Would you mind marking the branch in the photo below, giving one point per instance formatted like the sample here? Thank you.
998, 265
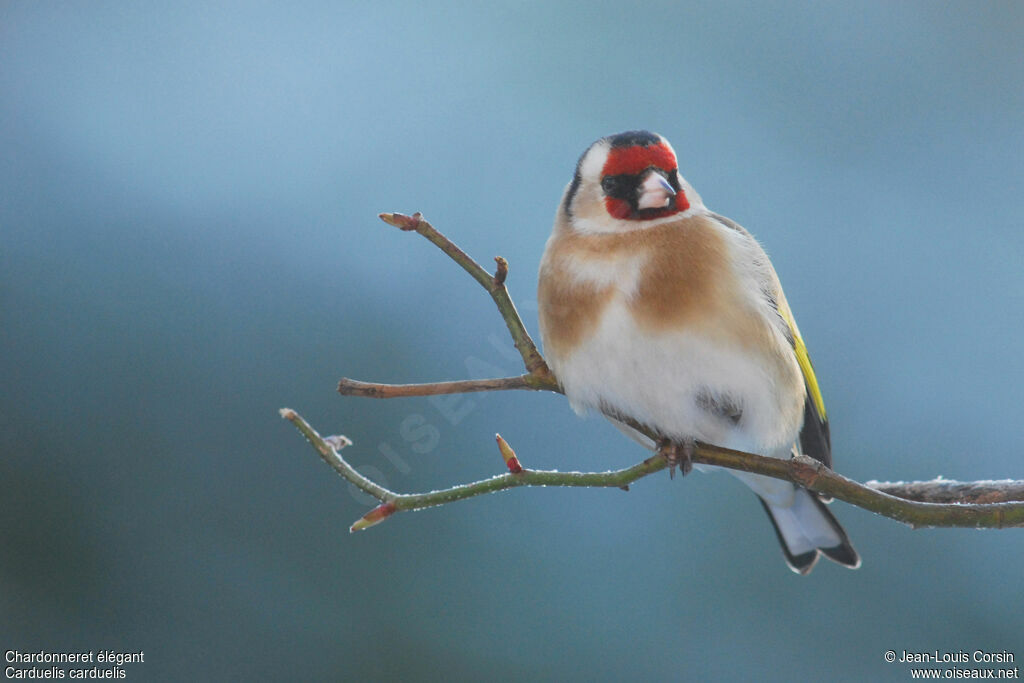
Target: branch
801, 470
351, 387
494, 284
938, 503
951, 491
417, 501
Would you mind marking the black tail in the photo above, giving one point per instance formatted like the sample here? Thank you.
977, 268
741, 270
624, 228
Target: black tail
808, 529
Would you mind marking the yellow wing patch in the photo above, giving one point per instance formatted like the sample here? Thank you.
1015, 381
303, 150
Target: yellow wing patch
805, 363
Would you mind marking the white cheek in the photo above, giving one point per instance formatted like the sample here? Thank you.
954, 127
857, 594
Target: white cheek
593, 163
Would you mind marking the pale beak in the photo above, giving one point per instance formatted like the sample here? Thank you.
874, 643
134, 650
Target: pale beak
655, 192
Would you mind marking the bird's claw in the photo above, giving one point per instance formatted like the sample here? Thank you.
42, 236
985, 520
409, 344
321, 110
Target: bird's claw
677, 454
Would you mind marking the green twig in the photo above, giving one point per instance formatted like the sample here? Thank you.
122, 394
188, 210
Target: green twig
801, 470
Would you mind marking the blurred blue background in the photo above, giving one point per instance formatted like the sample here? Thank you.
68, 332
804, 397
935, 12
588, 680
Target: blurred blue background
189, 241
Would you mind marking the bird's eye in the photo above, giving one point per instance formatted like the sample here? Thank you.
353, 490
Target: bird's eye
615, 185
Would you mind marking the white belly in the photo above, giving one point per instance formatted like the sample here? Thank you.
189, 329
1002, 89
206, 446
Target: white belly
663, 380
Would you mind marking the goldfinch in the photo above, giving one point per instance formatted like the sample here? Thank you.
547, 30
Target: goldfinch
656, 309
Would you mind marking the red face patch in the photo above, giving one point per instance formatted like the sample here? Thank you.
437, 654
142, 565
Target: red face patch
631, 160
618, 208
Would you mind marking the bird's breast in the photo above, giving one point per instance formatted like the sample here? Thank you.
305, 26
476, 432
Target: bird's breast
672, 277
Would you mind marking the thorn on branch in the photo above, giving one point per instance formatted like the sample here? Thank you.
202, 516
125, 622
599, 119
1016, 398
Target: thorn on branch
511, 461
502, 272
373, 517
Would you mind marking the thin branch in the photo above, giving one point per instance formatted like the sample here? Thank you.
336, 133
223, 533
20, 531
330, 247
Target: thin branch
951, 491
938, 503
494, 284
329, 452
801, 470
351, 387
417, 501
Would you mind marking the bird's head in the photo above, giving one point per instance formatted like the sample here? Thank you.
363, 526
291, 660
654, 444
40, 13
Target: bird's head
627, 181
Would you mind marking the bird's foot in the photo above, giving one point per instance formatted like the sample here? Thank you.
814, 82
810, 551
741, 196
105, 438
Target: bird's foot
677, 454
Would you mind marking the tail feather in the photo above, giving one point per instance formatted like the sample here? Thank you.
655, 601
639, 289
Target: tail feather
806, 530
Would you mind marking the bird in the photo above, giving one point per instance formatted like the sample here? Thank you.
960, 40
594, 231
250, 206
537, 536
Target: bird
656, 311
